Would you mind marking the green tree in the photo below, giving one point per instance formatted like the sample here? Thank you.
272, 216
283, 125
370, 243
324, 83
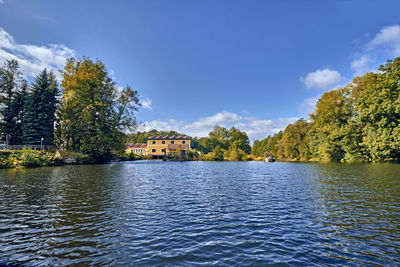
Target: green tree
293, 143
331, 119
241, 139
40, 110
18, 110
377, 102
10, 89
93, 114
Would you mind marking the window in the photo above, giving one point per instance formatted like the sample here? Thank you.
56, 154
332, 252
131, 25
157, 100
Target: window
153, 150
153, 142
163, 150
163, 142
172, 142
183, 142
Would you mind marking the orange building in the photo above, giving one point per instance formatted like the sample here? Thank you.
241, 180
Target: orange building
158, 146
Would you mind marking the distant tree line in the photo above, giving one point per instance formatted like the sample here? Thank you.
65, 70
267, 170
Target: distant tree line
224, 144
360, 122
87, 114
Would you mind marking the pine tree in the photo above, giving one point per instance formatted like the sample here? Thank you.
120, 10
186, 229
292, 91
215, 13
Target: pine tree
40, 110
10, 86
18, 112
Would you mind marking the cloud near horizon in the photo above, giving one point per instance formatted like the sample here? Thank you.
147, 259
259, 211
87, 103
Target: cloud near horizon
33, 59
254, 127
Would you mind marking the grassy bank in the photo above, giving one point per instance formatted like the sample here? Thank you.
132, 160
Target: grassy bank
28, 158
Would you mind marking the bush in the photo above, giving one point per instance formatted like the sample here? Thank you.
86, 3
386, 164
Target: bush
31, 158
7, 159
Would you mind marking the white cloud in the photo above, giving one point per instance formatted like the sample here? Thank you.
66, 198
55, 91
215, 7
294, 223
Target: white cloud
388, 37
255, 128
322, 79
361, 64
33, 58
146, 103
384, 45
1, 1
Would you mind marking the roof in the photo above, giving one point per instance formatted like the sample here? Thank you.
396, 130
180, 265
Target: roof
176, 146
174, 137
136, 145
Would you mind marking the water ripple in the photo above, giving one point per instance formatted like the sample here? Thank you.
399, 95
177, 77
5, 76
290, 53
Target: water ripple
201, 214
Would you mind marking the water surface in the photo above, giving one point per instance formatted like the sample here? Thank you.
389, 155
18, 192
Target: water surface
201, 213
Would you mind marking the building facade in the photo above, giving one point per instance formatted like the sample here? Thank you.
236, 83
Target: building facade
139, 149
160, 146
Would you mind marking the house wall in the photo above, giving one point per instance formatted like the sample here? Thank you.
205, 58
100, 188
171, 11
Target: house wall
139, 151
158, 146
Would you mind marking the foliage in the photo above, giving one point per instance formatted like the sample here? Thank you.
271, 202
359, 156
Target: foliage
293, 142
27, 158
93, 114
360, 122
224, 144
40, 110
30, 158
267, 145
12, 96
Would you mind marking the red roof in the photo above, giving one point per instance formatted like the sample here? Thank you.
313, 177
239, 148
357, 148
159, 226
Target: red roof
160, 137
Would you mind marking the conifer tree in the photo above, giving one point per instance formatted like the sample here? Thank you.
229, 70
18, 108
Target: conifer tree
10, 85
40, 110
18, 112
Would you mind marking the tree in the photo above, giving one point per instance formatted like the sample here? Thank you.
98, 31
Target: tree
377, 102
241, 139
93, 114
40, 110
293, 144
18, 105
332, 117
10, 85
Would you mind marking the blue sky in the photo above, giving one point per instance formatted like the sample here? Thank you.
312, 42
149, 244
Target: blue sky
256, 65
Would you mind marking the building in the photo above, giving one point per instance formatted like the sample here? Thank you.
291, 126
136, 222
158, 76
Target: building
158, 146
139, 149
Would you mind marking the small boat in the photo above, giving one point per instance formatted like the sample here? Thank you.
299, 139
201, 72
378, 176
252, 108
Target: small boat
270, 158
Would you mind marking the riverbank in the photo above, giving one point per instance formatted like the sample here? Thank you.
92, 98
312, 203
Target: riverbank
28, 158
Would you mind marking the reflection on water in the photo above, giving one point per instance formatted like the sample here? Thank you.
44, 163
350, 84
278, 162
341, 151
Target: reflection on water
193, 213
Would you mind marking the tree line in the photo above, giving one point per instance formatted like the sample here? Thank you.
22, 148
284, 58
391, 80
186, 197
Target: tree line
27, 111
86, 113
359, 122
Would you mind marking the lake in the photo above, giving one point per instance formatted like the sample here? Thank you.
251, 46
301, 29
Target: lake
153, 213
